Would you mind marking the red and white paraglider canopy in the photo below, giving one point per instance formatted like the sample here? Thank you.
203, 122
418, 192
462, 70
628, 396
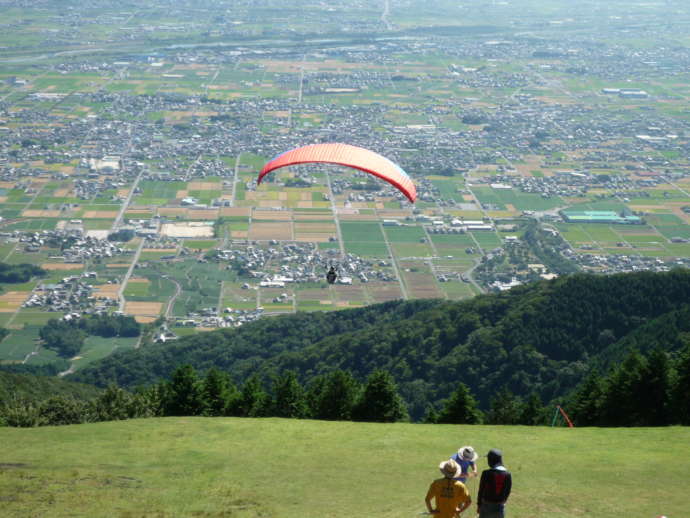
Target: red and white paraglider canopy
347, 155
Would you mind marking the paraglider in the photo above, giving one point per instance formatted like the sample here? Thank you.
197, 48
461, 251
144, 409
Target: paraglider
347, 155
331, 276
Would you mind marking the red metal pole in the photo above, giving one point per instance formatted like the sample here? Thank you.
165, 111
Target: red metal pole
565, 416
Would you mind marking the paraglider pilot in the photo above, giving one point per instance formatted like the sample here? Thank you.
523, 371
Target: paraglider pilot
331, 276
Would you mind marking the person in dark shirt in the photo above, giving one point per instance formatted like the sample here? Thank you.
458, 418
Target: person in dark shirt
494, 487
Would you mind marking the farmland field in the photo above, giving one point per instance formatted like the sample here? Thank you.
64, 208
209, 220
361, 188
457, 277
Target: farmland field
157, 120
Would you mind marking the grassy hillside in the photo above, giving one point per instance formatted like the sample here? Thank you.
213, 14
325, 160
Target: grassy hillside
309, 469
28, 386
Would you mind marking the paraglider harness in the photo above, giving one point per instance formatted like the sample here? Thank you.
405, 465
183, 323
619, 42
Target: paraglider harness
331, 276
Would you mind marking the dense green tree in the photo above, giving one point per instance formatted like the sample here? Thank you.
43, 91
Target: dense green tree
62, 337
253, 400
506, 408
109, 326
184, 395
532, 411
431, 416
114, 404
22, 413
338, 397
218, 392
290, 399
681, 389
460, 408
314, 392
586, 402
153, 399
380, 400
653, 400
624, 387
122, 235
61, 410
17, 273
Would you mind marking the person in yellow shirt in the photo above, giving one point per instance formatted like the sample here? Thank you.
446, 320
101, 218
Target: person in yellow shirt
451, 496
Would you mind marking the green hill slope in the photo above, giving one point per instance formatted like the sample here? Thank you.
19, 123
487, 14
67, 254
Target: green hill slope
30, 387
307, 469
540, 338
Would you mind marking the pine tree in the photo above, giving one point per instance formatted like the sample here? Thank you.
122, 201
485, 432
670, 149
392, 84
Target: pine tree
431, 416
338, 397
252, 401
314, 394
532, 411
380, 401
217, 389
654, 400
460, 408
506, 408
681, 389
290, 398
586, 405
183, 393
623, 387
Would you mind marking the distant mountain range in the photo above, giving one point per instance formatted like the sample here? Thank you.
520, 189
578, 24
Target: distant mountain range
543, 337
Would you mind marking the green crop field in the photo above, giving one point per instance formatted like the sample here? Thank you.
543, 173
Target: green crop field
487, 239
452, 241
309, 469
519, 200
364, 239
18, 344
96, 348
404, 234
136, 289
449, 188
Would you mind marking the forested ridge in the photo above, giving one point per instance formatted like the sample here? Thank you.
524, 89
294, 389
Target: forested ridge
542, 338
28, 387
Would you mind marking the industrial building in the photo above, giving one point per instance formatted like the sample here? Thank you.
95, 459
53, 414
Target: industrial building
601, 216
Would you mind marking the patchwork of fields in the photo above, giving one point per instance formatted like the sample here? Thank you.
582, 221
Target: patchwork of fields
158, 120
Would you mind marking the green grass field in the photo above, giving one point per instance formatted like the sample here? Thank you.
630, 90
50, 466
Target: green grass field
307, 469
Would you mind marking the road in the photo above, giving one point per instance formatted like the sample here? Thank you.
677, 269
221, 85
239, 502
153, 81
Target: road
123, 284
171, 302
215, 76
393, 263
301, 83
469, 274
686, 193
188, 174
236, 179
386, 12
339, 234
130, 194
125, 204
